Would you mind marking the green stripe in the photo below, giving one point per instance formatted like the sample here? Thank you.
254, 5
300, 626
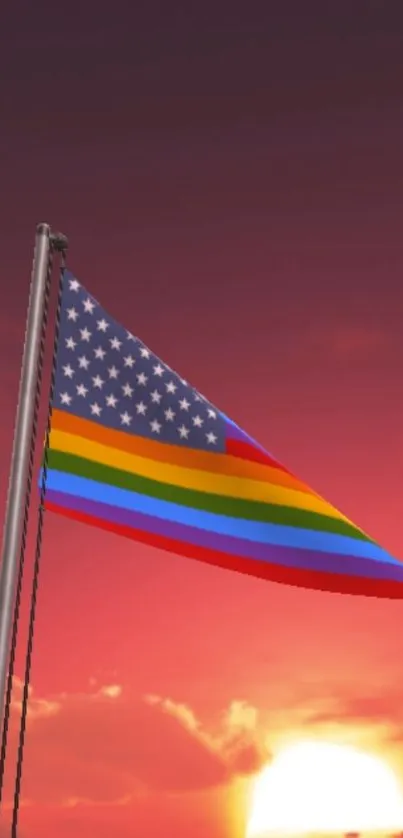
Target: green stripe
233, 507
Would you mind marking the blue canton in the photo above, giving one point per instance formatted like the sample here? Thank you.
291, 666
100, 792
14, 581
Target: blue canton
107, 375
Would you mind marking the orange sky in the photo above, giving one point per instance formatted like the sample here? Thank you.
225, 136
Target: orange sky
161, 685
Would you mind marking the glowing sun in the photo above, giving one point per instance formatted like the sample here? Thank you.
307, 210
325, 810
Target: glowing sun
317, 787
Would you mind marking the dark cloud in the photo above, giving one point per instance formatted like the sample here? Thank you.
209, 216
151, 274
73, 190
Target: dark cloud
102, 748
246, 757
107, 746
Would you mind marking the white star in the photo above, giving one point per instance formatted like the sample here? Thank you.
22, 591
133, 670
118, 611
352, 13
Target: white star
83, 362
115, 343
211, 438
197, 421
155, 426
183, 432
74, 285
184, 382
125, 418
142, 378
171, 387
184, 404
130, 336
98, 382
156, 397
99, 353
88, 306
158, 370
129, 361
81, 390
72, 314
68, 371
197, 397
141, 408
85, 334
127, 390
70, 343
113, 372
102, 325
144, 352
65, 398
111, 400
96, 409
212, 414
169, 414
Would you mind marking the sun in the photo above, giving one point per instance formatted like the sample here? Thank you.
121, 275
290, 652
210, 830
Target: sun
313, 787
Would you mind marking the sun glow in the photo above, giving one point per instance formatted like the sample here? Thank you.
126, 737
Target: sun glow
314, 787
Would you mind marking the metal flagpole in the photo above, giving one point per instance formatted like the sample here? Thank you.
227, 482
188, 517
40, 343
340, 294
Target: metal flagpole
21, 448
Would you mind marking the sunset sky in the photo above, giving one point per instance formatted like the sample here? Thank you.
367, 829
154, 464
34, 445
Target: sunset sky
230, 179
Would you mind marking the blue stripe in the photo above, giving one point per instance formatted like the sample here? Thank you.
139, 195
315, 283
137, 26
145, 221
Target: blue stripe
236, 527
307, 560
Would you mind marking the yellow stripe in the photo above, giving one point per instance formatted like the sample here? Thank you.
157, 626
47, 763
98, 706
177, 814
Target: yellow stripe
202, 481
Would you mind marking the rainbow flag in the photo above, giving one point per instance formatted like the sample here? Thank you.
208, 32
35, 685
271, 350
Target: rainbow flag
136, 450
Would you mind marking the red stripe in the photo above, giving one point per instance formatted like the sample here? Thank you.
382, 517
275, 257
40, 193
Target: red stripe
335, 583
246, 451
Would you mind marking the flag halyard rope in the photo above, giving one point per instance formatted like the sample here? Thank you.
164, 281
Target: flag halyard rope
58, 243
24, 534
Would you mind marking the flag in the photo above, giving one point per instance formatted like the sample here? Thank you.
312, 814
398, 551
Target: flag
134, 449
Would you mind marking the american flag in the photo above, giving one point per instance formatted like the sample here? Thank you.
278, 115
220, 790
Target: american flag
106, 374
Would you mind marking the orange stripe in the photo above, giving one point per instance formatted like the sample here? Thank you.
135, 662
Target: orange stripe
174, 454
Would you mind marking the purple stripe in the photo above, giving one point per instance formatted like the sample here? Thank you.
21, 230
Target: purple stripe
233, 432
286, 556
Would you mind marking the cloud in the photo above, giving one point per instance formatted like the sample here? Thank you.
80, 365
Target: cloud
362, 716
37, 707
246, 758
237, 743
241, 716
116, 745
179, 711
240, 743
109, 746
365, 709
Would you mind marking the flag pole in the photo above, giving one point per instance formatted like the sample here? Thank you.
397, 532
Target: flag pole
17, 488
